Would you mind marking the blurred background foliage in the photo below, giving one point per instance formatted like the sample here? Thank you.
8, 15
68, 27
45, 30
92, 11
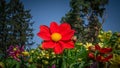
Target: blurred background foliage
15, 25
85, 16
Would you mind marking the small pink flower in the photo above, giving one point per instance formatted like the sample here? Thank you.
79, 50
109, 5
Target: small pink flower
53, 66
15, 51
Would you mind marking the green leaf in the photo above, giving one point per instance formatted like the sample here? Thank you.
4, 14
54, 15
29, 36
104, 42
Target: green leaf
18, 65
82, 64
64, 64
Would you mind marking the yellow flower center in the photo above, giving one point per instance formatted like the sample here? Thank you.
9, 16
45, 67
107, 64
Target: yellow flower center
56, 37
14, 49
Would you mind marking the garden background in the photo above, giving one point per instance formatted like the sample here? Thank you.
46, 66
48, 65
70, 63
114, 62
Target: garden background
59, 34
44, 11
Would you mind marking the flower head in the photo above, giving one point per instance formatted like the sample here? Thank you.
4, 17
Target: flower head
57, 37
101, 58
103, 50
88, 45
15, 52
102, 54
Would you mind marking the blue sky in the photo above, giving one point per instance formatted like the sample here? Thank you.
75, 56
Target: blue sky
46, 11
113, 16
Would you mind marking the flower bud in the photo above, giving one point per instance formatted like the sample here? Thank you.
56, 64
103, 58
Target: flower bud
118, 46
53, 53
92, 48
100, 36
74, 38
25, 53
79, 59
40, 47
32, 51
91, 55
30, 60
118, 34
47, 56
45, 62
38, 57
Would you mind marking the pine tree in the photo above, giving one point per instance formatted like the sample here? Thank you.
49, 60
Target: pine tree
2, 24
84, 16
16, 25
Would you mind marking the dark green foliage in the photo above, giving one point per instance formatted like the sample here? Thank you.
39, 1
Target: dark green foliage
84, 16
15, 25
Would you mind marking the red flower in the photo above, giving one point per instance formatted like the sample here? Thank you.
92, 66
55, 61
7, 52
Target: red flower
104, 59
104, 54
103, 50
56, 37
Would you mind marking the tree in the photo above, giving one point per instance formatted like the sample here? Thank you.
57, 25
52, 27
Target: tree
16, 25
84, 16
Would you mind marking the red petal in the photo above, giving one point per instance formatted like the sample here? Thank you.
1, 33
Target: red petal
97, 47
54, 27
48, 44
67, 44
16, 58
67, 35
99, 58
65, 30
44, 32
105, 50
58, 49
64, 27
106, 59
